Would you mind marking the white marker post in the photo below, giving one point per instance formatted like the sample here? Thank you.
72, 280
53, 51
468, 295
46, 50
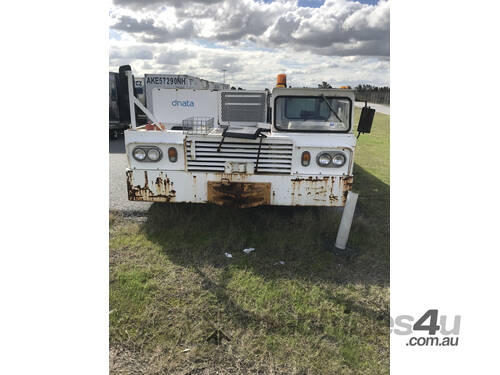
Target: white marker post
346, 222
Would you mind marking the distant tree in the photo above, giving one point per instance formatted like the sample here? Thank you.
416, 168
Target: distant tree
324, 85
366, 87
233, 88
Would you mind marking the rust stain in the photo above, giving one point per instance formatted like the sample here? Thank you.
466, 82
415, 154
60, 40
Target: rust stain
314, 188
345, 185
163, 186
330, 190
239, 194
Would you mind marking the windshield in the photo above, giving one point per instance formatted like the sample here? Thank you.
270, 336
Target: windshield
312, 113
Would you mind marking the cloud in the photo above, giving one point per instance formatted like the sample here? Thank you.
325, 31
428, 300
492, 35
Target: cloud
174, 57
151, 32
132, 52
341, 41
231, 64
152, 4
337, 28
236, 18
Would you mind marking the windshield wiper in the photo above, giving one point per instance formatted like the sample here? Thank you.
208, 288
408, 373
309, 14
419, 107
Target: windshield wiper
331, 108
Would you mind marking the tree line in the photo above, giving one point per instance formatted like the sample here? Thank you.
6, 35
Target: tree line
360, 88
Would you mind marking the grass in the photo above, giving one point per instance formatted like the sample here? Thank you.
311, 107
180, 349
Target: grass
171, 287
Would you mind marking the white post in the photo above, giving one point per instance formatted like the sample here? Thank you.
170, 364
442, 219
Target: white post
131, 98
346, 221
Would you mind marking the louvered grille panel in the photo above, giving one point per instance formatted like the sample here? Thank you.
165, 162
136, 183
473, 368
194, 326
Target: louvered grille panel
275, 156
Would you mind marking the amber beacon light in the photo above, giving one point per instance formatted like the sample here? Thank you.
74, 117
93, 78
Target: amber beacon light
281, 81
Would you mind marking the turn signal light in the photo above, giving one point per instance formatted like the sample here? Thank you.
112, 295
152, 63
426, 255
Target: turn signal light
172, 154
306, 158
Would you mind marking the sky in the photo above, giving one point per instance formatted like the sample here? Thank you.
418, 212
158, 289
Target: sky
342, 42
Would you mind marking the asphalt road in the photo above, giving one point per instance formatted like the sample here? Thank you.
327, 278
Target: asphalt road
385, 109
118, 200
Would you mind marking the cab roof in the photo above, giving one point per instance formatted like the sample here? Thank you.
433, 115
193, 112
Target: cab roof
308, 91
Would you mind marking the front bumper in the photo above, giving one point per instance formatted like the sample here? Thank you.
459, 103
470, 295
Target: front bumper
237, 190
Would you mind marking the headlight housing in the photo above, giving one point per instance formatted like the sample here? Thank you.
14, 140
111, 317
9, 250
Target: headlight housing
332, 159
147, 153
139, 154
154, 154
338, 160
324, 159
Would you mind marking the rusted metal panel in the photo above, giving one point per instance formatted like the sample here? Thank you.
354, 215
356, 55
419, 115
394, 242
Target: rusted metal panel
237, 189
161, 191
317, 189
320, 190
239, 194
345, 186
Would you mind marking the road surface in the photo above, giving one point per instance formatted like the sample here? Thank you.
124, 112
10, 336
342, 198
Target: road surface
385, 109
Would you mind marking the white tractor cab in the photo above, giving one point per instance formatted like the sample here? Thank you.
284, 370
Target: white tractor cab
228, 148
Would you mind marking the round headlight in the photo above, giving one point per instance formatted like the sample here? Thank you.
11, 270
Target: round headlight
338, 160
139, 154
154, 154
324, 160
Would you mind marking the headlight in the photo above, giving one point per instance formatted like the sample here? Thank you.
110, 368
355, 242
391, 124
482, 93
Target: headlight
324, 159
154, 154
147, 153
139, 154
331, 159
338, 160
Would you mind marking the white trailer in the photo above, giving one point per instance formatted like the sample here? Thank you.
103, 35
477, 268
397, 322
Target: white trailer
303, 156
172, 106
139, 89
154, 82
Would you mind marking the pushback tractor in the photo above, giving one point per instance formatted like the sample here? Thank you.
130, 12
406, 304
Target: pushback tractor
246, 148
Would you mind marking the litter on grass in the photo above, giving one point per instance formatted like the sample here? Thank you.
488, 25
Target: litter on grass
249, 250
280, 262
228, 255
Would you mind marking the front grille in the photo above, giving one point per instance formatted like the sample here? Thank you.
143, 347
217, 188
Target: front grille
275, 156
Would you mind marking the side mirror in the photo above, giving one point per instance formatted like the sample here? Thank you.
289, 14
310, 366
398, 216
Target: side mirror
366, 120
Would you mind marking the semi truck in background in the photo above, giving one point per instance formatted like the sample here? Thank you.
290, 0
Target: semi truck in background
229, 148
119, 108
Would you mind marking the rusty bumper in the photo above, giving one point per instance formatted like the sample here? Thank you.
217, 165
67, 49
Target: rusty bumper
163, 186
237, 190
239, 194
